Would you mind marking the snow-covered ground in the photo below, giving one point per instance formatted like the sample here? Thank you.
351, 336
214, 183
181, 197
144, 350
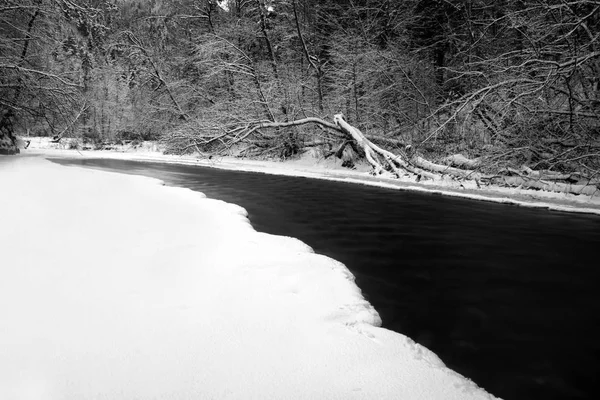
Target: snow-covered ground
312, 167
116, 287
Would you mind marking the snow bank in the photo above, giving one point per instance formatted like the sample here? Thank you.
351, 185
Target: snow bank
74, 145
330, 169
115, 287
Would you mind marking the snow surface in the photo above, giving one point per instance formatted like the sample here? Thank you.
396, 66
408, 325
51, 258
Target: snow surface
116, 287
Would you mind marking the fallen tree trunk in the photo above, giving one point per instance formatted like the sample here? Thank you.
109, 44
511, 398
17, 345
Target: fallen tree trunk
460, 161
444, 169
372, 153
517, 181
404, 162
425, 167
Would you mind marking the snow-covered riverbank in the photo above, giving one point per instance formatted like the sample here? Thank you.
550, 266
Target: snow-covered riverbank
116, 287
331, 169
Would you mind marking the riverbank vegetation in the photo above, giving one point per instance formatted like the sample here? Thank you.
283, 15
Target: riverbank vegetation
499, 92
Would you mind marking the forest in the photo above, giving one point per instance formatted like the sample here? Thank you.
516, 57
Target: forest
497, 92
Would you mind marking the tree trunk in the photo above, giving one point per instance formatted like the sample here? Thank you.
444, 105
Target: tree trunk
8, 142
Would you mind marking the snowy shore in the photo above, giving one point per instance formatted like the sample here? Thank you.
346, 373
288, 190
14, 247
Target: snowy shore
117, 287
331, 169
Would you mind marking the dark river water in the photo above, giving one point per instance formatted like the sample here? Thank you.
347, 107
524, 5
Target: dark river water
505, 295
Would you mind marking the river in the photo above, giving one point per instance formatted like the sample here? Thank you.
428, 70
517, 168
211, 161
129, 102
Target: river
505, 295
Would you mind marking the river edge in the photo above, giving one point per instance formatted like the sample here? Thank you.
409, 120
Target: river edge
69, 193
331, 169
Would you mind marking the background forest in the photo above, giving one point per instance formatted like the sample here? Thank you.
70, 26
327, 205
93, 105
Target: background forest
510, 85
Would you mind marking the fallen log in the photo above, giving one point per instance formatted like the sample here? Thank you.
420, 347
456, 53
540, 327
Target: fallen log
444, 169
372, 152
518, 181
460, 161
405, 161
